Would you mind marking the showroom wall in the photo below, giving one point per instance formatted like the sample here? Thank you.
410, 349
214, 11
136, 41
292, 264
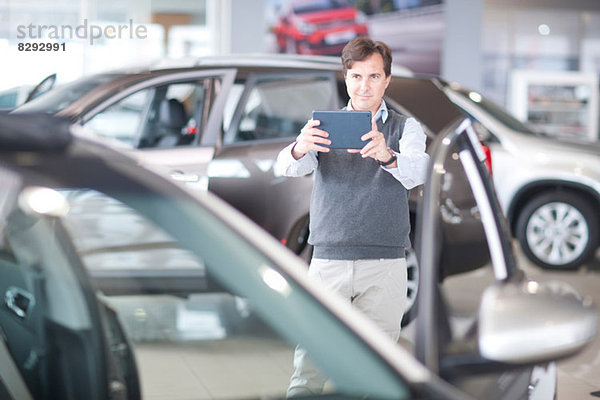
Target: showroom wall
541, 60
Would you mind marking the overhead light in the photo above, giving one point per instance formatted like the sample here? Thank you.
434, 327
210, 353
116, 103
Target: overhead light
544, 29
476, 97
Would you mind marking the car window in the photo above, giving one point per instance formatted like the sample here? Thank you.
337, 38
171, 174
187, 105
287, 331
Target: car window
159, 117
459, 213
232, 100
495, 111
122, 120
318, 5
45, 311
226, 322
8, 100
275, 107
65, 95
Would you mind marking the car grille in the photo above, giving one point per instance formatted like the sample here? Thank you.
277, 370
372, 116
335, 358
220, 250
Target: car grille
334, 24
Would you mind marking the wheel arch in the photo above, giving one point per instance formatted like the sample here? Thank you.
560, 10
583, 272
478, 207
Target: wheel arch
531, 190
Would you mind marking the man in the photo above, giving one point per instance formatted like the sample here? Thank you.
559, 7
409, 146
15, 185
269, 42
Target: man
359, 217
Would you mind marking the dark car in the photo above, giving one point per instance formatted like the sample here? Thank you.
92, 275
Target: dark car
63, 338
220, 124
318, 26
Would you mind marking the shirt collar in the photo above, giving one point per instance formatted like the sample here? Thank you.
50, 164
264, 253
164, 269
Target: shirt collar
381, 112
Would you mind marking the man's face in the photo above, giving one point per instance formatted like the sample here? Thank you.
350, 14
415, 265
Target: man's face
366, 83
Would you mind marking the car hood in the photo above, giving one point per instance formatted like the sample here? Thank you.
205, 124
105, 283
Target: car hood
556, 145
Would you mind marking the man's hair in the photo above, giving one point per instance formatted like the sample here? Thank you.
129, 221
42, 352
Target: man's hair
361, 48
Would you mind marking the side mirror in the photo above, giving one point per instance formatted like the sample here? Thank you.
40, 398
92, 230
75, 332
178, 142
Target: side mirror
531, 322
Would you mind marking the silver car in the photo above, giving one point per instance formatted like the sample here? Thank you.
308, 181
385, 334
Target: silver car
549, 188
64, 338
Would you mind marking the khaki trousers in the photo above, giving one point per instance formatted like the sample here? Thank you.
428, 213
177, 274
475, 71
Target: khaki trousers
375, 287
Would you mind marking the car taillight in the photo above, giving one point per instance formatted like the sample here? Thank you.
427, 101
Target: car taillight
488, 157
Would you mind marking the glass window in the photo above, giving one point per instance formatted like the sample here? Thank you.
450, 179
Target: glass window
225, 322
318, 5
279, 107
460, 218
63, 96
164, 116
8, 100
123, 120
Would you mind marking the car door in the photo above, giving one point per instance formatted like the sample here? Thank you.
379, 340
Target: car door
448, 310
491, 332
263, 115
171, 121
57, 340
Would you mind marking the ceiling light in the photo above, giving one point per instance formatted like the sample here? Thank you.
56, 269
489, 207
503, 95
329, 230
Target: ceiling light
544, 29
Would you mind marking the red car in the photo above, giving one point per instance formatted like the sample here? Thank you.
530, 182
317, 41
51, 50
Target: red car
318, 26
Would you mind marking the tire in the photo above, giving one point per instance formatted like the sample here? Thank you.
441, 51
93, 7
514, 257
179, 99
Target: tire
412, 287
558, 230
298, 240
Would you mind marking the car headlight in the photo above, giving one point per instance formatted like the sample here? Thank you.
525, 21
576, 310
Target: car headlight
361, 18
305, 28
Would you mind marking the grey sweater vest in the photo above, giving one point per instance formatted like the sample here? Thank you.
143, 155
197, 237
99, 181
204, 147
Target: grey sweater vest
358, 211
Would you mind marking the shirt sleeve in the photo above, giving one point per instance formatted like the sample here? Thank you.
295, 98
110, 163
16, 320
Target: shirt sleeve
287, 165
412, 159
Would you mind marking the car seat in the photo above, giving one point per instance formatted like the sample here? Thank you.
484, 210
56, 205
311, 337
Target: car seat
171, 120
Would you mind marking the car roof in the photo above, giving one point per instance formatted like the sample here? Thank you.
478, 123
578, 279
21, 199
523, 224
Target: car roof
265, 60
244, 63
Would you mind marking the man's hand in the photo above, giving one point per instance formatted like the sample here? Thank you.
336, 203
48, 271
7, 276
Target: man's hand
376, 148
310, 139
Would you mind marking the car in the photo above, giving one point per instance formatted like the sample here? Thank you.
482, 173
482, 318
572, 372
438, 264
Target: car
65, 337
320, 27
549, 187
16, 96
219, 123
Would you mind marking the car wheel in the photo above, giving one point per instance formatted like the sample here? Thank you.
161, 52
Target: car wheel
412, 287
298, 240
558, 230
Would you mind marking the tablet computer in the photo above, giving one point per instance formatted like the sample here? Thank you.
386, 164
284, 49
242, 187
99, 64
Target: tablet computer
345, 128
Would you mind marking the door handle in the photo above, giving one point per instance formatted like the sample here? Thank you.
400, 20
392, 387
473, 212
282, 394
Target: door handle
183, 177
18, 301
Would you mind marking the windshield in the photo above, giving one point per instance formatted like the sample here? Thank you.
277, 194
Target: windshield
318, 5
57, 99
189, 291
496, 111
